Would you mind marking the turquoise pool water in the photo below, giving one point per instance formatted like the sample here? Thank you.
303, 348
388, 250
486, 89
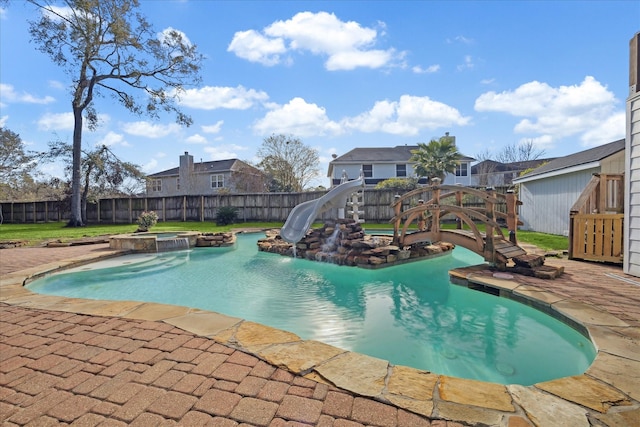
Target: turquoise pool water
409, 314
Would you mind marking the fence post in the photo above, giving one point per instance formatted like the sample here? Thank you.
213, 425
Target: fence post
512, 217
489, 254
459, 204
435, 224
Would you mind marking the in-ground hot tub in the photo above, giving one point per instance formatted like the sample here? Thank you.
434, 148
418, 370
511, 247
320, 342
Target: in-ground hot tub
154, 242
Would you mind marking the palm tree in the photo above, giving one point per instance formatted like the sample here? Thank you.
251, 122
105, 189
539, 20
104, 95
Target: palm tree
436, 159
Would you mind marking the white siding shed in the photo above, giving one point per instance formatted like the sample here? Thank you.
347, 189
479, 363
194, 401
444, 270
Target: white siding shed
549, 192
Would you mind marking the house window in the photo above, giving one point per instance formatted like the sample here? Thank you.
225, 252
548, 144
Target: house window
367, 170
217, 181
177, 183
462, 169
401, 170
156, 185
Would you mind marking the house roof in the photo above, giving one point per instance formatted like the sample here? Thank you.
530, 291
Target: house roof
582, 159
399, 153
215, 166
381, 154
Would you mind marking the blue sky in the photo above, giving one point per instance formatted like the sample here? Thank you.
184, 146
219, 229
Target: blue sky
346, 74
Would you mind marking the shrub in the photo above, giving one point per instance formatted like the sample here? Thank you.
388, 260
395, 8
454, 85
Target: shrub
399, 184
226, 215
146, 220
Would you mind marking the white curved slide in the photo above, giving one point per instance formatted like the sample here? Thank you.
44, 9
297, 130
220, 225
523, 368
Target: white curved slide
302, 216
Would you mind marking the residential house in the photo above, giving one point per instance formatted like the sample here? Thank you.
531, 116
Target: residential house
381, 163
631, 257
549, 192
496, 174
203, 178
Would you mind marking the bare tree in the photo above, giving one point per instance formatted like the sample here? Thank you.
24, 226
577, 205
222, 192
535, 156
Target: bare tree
521, 152
107, 46
247, 179
288, 163
485, 168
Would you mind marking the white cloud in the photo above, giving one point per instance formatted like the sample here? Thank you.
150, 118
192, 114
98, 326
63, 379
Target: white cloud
559, 112
55, 84
212, 128
255, 47
347, 45
349, 60
460, 39
56, 12
3, 121
542, 142
610, 129
297, 118
196, 139
112, 138
60, 121
8, 94
150, 130
430, 69
408, 116
223, 152
3, 13
212, 97
150, 166
167, 37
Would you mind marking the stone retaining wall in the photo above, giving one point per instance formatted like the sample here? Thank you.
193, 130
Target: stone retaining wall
344, 242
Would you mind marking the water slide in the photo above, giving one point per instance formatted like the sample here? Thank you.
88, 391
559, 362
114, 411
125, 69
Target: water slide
302, 216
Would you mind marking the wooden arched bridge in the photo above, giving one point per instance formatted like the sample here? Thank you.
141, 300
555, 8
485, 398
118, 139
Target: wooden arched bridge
492, 244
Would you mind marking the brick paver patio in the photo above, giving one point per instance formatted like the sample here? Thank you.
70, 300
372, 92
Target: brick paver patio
60, 368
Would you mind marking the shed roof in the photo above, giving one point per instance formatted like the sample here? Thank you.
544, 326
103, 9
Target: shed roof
585, 158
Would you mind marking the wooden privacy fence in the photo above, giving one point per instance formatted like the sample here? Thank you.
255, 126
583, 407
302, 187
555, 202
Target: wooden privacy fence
596, 220
251, 207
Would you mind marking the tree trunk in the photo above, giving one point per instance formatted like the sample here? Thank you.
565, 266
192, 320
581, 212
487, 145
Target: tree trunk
76, 202
85, 193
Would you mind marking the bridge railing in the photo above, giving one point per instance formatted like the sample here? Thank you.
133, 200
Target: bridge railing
448, 200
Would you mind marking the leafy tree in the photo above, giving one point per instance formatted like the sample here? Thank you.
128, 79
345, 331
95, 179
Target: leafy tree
103, 173
107, 46
288, 163
15, 163
436, 159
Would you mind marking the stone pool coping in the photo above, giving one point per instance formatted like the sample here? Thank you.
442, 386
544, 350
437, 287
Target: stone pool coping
607, 391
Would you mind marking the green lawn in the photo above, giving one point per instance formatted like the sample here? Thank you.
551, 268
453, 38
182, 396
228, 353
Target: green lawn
36, 234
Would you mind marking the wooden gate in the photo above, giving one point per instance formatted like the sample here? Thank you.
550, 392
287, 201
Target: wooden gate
597, 237
596, 221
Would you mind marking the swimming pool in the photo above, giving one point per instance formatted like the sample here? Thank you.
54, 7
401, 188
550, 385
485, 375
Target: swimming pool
409, 314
